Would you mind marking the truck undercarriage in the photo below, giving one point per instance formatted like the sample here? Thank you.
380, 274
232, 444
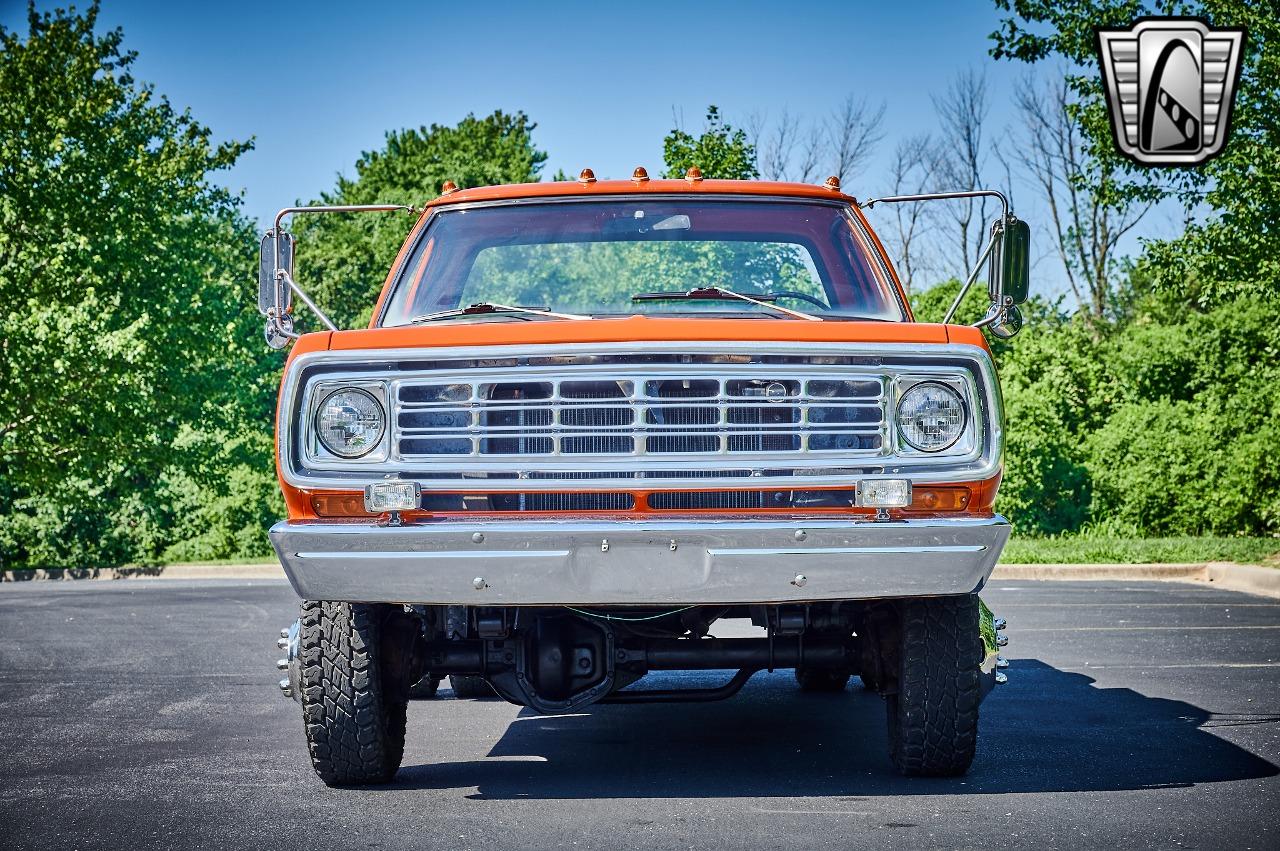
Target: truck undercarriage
564, 659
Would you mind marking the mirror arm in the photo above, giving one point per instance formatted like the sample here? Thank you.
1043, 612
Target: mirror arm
347, 208
973, 276
993, 313
306, 299
942, 196
279, 324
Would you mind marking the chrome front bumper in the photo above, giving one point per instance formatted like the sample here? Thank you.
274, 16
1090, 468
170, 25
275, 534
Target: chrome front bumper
536, 563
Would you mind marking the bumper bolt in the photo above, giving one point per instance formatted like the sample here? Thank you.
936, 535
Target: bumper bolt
800, 535
800, 581
479, 584
477, 538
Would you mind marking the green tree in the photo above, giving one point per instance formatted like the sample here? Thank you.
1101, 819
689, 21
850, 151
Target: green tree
722, 151
343, 260
1236, 248
128, 356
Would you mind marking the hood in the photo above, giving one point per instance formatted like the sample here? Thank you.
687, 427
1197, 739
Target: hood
643, 329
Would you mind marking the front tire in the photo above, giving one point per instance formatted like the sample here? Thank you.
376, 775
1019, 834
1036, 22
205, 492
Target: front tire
354, 690
933, 716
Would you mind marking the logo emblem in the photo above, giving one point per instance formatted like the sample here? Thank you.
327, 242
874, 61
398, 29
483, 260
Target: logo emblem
1169, 85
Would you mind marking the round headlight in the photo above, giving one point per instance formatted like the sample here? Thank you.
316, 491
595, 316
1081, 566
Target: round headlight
931, 416
349, 422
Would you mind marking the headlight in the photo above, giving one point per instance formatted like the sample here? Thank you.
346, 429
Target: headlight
350, 422
931, 416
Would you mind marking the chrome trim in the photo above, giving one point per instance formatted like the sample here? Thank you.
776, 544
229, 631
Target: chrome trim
537, 562
895, 362
940, 196
276, 316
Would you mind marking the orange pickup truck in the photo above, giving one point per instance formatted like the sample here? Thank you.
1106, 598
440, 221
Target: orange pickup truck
591, 418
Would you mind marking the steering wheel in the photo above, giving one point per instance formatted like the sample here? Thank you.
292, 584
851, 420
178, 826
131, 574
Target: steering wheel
801, 296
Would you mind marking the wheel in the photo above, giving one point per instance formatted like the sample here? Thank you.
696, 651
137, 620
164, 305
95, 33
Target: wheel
820, 680
355, 689
425, 688
933, 717
469, 685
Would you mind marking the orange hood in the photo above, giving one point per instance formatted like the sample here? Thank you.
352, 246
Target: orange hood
640, 329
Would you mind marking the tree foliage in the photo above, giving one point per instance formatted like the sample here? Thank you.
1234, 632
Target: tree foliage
128, 362
722, 151
343, 259
1236, 249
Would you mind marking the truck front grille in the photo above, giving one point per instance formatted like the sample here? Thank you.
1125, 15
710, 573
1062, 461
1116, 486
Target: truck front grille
656, 416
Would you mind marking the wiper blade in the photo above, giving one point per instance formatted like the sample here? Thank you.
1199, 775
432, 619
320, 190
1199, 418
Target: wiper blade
721, 294
483, 307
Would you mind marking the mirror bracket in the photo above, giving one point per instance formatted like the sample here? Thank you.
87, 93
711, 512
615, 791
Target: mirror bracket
276, 286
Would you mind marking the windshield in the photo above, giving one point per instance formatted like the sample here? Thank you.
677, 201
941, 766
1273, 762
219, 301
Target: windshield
630, 256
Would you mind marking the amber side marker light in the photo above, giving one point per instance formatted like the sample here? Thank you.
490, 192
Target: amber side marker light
338, 505
940, 499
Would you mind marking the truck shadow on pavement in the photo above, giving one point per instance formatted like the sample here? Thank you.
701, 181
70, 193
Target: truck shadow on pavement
1048, 730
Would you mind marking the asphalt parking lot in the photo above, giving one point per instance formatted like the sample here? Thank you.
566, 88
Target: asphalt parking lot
145, 714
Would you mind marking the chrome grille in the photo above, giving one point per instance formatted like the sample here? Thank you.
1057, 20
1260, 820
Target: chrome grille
774, 414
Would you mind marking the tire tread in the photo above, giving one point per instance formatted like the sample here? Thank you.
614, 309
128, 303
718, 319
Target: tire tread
933, 718
355, 725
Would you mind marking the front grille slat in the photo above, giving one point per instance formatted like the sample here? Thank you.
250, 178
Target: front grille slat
742, 416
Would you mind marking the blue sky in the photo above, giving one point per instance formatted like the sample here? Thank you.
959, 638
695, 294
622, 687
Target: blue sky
315, 84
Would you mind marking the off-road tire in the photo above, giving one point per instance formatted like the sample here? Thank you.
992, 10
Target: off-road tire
817, 679
425, 688
933, 716
470, 686
353, 708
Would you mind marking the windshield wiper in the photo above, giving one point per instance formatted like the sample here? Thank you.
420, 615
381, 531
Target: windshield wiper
483, 307
721, 294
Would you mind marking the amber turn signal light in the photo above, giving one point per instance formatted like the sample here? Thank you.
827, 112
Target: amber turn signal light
940, 498
338, 505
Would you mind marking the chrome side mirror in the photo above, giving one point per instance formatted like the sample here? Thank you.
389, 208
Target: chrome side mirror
1008, 275
1005, 321
1009, 271
275, 256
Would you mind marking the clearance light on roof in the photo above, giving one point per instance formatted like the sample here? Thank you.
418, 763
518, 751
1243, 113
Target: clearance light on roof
884, 493
381, 497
